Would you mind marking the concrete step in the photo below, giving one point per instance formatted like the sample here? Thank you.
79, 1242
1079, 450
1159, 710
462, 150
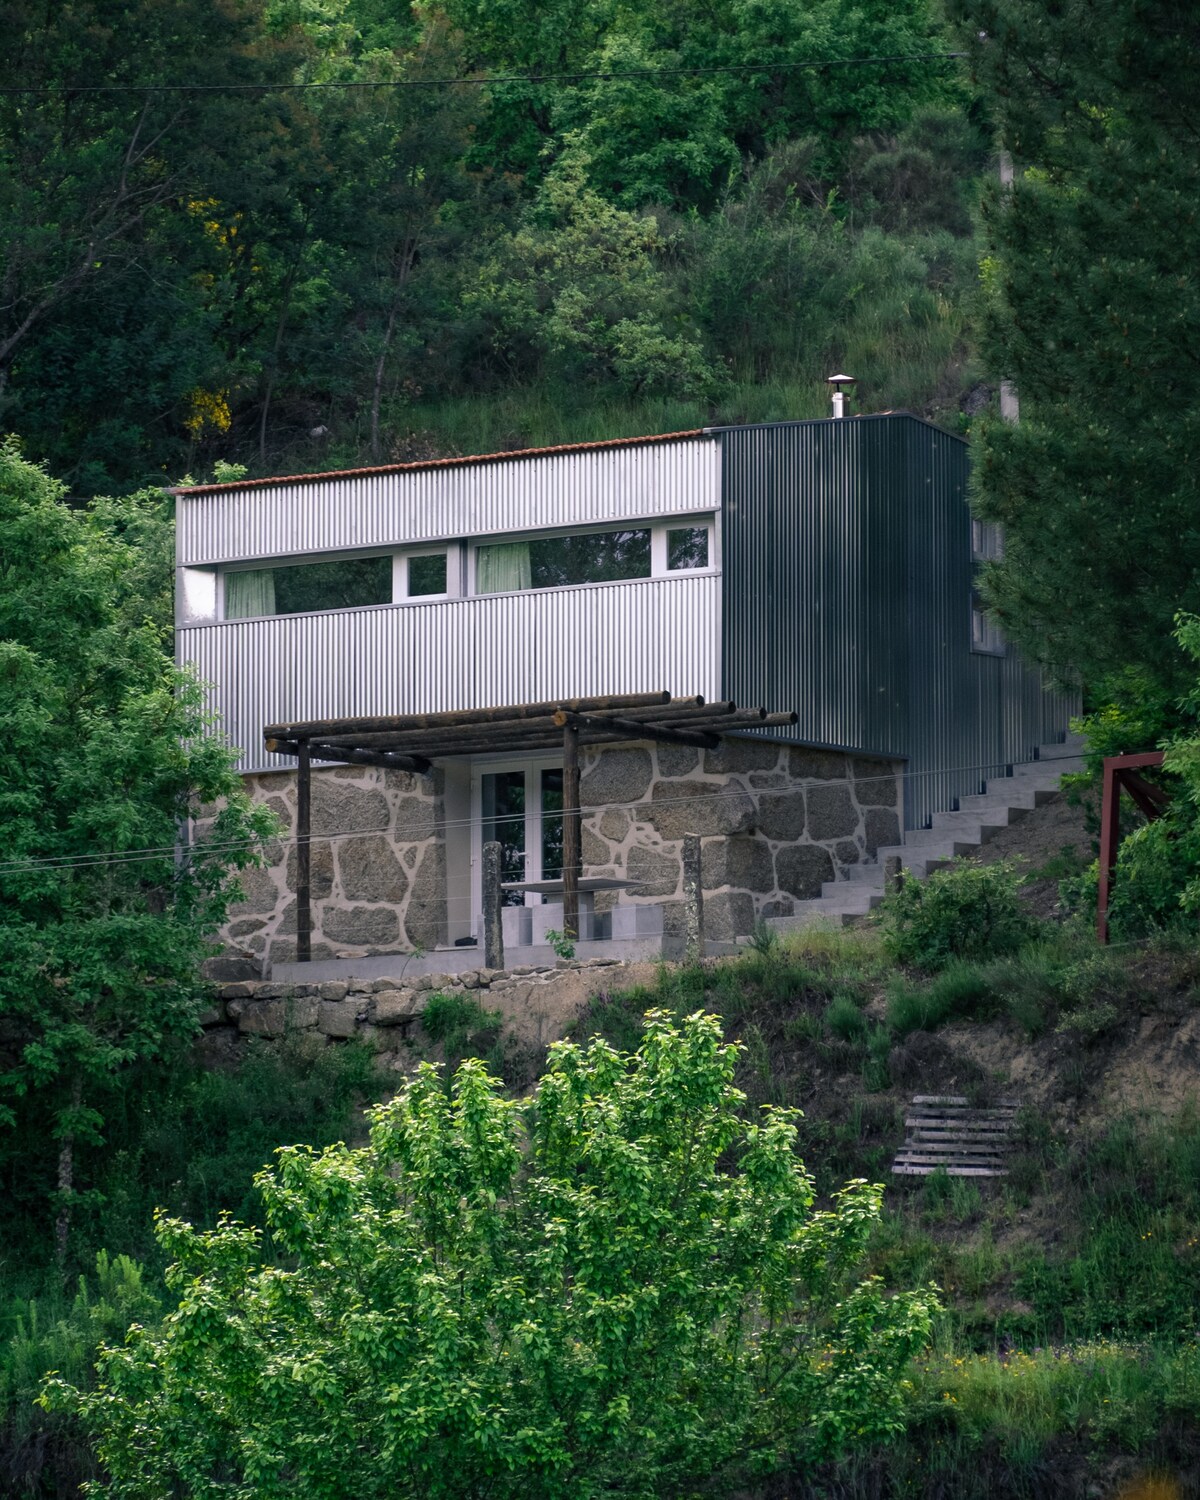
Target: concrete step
1072, 748
1049, 771
950, 842
869, 879
977, 819
968, 825
866, 873
810, 914
918, 862
1026, 794
850, 895
997, 807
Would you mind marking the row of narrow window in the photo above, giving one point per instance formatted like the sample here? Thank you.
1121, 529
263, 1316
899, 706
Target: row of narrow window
500, 567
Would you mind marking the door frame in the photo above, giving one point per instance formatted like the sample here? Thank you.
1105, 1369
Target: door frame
533, 766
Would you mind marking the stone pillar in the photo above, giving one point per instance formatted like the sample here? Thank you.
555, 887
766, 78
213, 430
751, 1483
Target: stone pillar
303, 854
493, 926
693, 900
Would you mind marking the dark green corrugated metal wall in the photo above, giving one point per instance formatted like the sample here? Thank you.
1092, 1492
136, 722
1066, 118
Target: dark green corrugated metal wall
847, 596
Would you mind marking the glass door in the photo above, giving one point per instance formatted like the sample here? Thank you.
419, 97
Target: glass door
520, 808
502, 820
551, 809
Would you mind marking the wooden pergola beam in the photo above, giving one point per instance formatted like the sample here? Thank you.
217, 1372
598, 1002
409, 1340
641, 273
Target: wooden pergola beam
324, 729
404, 741
352, 755
636, 729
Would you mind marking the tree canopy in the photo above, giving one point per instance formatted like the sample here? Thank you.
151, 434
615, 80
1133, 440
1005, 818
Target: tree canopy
104, 910
619, 1287
298, 234
1092, 299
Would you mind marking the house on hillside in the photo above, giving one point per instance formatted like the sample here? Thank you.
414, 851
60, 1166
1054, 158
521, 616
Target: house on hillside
821, 569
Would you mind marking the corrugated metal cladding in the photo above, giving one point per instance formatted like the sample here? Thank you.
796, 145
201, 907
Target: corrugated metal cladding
848, 570
465, 653
518, 494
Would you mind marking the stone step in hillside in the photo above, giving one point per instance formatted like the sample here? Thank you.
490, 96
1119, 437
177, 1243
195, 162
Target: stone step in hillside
955, 832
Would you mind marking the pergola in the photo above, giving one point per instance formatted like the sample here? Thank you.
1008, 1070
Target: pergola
412, 742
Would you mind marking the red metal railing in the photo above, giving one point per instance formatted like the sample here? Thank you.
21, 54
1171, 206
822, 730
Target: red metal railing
1121, 775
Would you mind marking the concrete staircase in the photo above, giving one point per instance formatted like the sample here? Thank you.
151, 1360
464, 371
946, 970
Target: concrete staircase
977, 819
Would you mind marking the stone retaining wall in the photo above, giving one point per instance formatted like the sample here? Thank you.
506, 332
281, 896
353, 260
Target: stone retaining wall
776, 820
537, 1003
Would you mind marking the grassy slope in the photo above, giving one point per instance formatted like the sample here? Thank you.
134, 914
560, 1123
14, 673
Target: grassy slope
1068, 1353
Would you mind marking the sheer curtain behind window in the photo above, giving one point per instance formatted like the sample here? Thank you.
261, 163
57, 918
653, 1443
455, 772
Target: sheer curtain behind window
502, 569
250, 593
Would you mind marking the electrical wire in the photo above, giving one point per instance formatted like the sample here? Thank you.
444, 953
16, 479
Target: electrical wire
425, 83
170, 851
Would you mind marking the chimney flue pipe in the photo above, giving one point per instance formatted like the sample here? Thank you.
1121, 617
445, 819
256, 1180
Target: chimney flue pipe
839, 382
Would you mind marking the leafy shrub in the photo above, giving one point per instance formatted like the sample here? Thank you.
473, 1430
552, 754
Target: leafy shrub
1156, 865
53, 1333
964, 911
764, 940
845, 1019
461, 1024
618, 1287
961, 991
1089, 1021
877, 1073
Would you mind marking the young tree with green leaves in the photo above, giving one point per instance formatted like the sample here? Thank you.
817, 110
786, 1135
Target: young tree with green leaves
104, 910
618, 1287
1093, 310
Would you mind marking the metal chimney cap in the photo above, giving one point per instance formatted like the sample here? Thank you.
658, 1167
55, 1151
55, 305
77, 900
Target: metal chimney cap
841, 380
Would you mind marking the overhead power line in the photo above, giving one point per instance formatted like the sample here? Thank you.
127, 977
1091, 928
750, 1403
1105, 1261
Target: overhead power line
23, 865
483, 82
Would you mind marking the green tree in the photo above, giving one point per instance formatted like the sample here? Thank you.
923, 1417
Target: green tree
1093, 309
578, 291
104, 912
620, 1287
677, 140
125, 208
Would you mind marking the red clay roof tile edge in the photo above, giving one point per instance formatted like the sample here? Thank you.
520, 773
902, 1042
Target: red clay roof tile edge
432, 463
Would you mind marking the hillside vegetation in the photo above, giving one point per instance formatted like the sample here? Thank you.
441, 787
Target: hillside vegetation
381, 255
1066, 1357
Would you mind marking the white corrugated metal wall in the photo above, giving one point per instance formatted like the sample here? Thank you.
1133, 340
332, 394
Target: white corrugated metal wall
642, 636
585, 488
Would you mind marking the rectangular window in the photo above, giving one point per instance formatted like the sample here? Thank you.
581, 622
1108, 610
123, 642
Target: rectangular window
560, 561
341, 583
987, 541
427, 575
985, 633
687, 548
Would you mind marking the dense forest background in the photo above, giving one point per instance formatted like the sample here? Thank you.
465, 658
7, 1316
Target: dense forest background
299, 234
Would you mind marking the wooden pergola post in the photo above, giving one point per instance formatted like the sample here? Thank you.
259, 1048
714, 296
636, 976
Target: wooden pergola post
413, 742
303, 848
572, 840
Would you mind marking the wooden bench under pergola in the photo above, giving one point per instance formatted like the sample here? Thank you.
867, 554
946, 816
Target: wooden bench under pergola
412, 742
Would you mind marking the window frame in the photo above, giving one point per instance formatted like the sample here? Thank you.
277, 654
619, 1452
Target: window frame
657, 526
987, 545
987, 639
452, 550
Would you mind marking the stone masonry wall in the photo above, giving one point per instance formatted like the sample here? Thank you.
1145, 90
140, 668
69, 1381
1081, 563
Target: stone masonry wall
536, 1004
775, 821
377, 869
